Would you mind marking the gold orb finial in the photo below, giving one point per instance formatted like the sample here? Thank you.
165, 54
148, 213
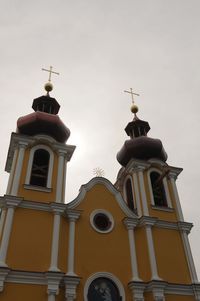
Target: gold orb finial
134, 108
48, 87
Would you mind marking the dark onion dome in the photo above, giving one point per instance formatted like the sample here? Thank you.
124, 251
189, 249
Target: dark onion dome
44, 120
140, 146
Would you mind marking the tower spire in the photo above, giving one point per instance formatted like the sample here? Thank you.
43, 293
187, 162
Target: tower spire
134, 108
48, 86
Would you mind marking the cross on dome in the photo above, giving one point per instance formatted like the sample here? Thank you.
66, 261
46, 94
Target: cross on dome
132, 93
50, 72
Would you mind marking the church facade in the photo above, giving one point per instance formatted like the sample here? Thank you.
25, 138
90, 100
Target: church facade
121, 242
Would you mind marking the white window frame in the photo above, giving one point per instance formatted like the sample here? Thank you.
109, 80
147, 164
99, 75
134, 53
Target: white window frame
108, 214
30, 163
124, 191
165, 185
110, 276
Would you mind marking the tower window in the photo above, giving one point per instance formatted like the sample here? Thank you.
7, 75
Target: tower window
40, 167
129, 194
103, 289
158, 189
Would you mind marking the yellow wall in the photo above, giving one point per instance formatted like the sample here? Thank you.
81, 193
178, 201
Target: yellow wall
179, 298
170, 256
96, 252
34, 195
30, 241
63, 245
23, 292
142, 254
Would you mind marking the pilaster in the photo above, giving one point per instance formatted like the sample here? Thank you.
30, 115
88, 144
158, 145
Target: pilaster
130, 224
11, 203
58, 209
73, 216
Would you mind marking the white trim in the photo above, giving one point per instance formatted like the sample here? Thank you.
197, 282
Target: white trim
60, 177
104, 275
137, 194
6, 236
72, 216
152, 257
55, 243
2, 219
30, 163
172, 177
102, 181
130, 225
108, 214
143, 191
128, 177
189, 257
12, 172
165, 185
18, 169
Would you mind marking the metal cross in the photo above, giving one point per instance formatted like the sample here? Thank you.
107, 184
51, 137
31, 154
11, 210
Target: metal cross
132, 93
50, 72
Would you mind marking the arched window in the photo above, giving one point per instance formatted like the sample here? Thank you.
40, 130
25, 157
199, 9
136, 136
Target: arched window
129, 194
40, 167
103, 289
158, 189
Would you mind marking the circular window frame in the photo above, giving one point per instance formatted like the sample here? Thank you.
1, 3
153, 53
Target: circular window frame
108, 215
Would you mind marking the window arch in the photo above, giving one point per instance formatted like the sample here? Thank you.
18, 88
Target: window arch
103, 286
40, 167
158, 189
129, 193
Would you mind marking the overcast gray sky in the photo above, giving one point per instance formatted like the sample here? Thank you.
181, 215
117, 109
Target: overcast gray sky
100, 48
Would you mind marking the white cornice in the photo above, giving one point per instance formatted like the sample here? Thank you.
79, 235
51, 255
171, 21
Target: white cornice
102, 181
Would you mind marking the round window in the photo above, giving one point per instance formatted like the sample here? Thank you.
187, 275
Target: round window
102, 221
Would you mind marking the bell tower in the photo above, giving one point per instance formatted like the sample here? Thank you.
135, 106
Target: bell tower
38, 153
148, 185
33, 209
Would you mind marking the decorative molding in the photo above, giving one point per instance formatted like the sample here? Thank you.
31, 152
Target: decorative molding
104, 275
162, 208
147, 221
137, 288
30, 164
165, 185
110, 217
26, 277
157, 287
130, 223
53, 281
185, 227
71, 284
3, 274
102, 181
37, 188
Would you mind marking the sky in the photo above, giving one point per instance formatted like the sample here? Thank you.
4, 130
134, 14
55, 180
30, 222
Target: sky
101, 48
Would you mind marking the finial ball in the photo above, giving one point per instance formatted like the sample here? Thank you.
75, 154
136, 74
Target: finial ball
48, 87
134, 108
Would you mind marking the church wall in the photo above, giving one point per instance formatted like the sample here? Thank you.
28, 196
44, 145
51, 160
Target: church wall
179, 298
22, 292
170, 256
63, 245
37, 196
142, 254
30, 241
97, 252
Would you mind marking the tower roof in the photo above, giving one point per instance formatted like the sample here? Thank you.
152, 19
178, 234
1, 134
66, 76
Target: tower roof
140, 146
